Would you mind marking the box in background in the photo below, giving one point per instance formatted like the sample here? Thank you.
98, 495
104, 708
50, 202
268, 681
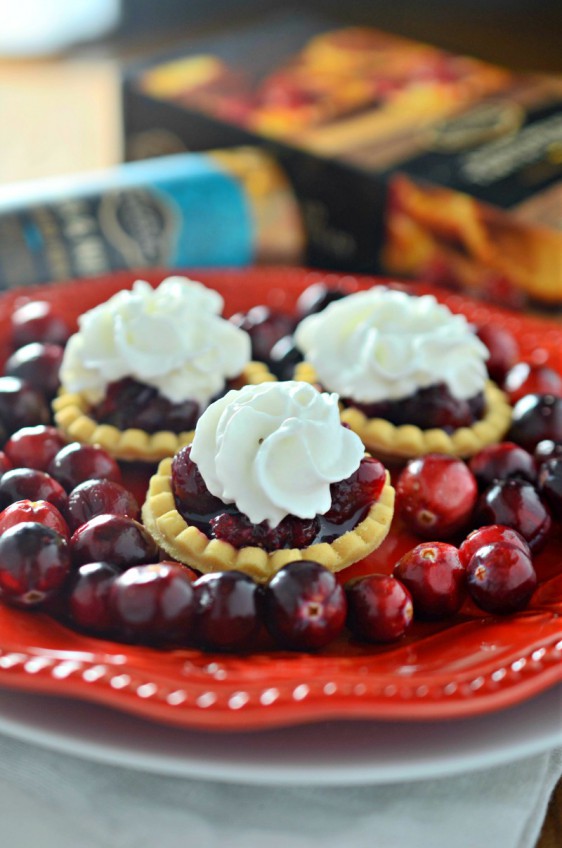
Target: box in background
404, 158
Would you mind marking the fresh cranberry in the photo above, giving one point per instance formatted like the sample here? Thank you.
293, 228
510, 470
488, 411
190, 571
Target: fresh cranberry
21, 405
75, 463
190, 492
550, 485
304, 607
237, 529
40, 512
99, 497
39, 365
317, 297
501, 578
37, 321
5, 464
265, 327
380, 608
547, 449
498, 462
536, 417
489, 535
130, 404
34, 564
227, 612
436, 495
503, 349
153, 604
362, 488
21, 484
284, 357
88, 597
435, 578
34, 447
525, 379
113, 538
516, 504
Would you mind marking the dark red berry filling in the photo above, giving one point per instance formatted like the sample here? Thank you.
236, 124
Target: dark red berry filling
429, 408
130, 404
351, 499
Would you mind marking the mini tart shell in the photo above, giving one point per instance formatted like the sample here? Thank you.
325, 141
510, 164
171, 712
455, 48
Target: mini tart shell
72, 416
398, 443
186, 543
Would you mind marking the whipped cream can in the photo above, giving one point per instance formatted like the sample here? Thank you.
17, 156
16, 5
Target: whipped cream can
219, 208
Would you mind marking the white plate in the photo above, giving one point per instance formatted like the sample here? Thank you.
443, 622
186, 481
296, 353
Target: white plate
329, 754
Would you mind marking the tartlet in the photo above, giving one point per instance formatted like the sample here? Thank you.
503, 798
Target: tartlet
415, 357
180, 536
168, 347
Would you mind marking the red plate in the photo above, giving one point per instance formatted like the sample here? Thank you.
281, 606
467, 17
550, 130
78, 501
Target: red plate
472, 664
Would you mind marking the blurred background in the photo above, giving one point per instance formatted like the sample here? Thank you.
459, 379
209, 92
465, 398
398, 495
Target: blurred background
88, 84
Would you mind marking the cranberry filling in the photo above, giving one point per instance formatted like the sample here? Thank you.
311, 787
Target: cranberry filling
128, 403
432, 407
351, 499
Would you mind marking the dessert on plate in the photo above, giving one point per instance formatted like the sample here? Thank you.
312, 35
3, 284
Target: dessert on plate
145, 364
411, 375
271, 477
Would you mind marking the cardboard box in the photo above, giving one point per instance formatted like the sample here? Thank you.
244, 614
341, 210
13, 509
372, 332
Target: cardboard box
404, 158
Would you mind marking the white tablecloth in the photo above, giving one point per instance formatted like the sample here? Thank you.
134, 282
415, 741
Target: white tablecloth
54, 800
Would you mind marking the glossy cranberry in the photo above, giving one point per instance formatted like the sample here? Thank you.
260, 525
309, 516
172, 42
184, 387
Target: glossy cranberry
550, 485
190, 492
227, 613
304, 607
265, 327
380, 608
503, 348
525, 379
34, 447
75, 463
490, 534
361, 489
317, 297
153, 604
21, 484
284, 358
535, 418
516, 504
88, 597
37, 321
39, 365
501, 578
34, 564
99, 497
113, 538
237, 529
435, 578
21, 405
436, 495
5, 463
498, 462
40, 512
128, 403
547, 449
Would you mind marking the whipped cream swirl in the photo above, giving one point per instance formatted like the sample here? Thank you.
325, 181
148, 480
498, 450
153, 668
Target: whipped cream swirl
274, 449
385, 345
172, 338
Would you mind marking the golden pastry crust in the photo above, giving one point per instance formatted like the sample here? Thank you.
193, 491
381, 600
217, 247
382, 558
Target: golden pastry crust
72, 417
186, 543
398, 443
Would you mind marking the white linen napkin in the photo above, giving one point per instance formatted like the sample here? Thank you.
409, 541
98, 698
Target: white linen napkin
54, 800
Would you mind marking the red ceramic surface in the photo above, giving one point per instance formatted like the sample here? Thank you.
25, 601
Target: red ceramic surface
472, 664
